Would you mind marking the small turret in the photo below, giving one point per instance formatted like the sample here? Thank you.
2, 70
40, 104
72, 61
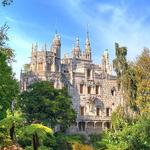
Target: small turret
34, 48
45, 47
105, 62
76, 49
56, 45
87, 47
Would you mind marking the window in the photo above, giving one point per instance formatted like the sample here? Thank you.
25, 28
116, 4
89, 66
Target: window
97, 89
107, 112
88, 73
97, 111
66, 71
81, 126
113, 91
107, 125
82, 111
40, 66
49, 67
81, 88
89, 90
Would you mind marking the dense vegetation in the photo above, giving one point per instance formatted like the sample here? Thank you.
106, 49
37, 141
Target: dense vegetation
29, 118
131, 122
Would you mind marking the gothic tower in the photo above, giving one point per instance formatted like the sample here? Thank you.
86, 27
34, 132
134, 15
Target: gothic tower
33, 66
56, 50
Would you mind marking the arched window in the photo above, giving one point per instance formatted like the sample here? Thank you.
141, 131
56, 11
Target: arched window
81, 110
113, 91
107, 112
89, 90
97, 89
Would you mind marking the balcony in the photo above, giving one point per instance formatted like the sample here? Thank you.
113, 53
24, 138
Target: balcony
94, 118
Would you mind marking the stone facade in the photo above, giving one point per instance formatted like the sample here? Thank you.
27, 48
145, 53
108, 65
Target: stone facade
92, 87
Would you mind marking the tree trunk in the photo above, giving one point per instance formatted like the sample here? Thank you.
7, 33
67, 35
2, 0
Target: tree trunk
12, 132
35, 141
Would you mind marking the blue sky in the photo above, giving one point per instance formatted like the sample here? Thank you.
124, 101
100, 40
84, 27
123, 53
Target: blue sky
123, 21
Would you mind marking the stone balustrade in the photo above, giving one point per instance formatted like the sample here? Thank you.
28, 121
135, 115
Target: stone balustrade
94, 118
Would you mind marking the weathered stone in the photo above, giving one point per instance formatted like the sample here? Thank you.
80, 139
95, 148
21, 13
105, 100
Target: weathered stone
92, 87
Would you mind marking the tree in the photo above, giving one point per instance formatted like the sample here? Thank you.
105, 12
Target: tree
126, 80
3, 44
6, 2
37, 132
42, 103
120, 64
8, 127
143, 82
8, 85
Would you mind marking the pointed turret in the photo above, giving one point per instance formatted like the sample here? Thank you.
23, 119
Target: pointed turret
105, 62
76, 49
34, 49
56, 50
87, 47
45, 47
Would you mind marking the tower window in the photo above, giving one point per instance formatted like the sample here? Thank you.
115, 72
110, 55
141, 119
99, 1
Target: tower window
97, 89
81, 88
97, 111
89, 90
88, 73
82, 111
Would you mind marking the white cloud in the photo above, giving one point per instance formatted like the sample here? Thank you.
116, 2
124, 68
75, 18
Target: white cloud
120, 26
109, 23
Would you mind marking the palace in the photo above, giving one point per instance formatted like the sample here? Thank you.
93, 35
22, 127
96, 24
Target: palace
92, 87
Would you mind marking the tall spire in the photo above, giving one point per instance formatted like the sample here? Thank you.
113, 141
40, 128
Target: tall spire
45, 47
77, 42
32, 47
87, 47
36, 46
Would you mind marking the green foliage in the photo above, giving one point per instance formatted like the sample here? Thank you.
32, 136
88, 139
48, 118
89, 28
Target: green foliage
143, 82
41, 102
131, 137
118, 119
67, 142
120, 64
41, 130
131, 131
36, 133
7, 51
6, 2
94, 138
6, 124
8, 85
61, 142
130, 86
